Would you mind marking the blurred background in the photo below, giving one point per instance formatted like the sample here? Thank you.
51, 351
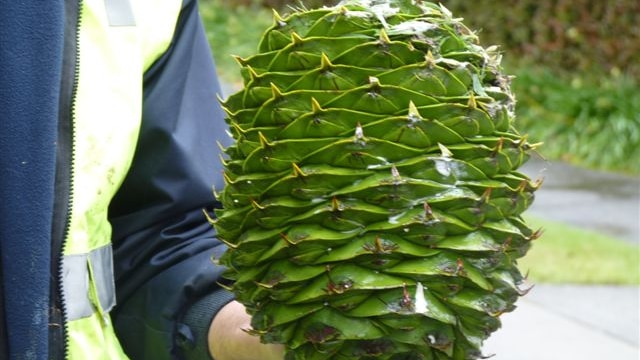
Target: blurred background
576, 68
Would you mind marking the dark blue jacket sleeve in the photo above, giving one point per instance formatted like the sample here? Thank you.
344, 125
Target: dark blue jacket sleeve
163, 244
31, 46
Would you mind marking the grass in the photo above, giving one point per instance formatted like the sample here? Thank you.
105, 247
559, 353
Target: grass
566, 254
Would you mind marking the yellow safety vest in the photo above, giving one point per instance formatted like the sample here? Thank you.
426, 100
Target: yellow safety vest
118, 41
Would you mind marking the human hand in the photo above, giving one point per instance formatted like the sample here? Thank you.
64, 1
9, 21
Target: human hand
228, 339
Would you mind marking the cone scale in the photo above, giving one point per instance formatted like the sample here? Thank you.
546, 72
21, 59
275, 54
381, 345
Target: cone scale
373, 202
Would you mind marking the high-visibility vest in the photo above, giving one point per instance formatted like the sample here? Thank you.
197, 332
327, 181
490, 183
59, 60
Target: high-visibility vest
118, 40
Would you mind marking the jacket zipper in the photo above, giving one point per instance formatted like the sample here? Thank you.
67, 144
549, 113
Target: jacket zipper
58, 339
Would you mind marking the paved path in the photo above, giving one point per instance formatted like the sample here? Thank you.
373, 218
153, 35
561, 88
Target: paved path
605, 202
570, 323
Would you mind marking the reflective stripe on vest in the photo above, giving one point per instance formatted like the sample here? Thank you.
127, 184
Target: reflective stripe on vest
118, 41
81, 274
119, 13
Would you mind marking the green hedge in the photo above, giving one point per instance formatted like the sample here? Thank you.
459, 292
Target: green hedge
586, 35
583, 35
583, 119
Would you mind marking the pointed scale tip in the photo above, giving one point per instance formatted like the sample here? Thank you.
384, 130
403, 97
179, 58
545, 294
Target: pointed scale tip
421, 305
444, 151
227, 111
254, 332
414, 114
486, 195
275, 92
428, 211
296, 39
359, 132
227, 242
472, 103
264, 286
220, 146
374, 83
223, 161
325, 63
536, 234
535, 146
446, 12
227, 179
225, 286
395, 174
264, 143
297, 172
522, 186
525, 291
286, 239
429, 59
384, 37
210, 220
215, 192
460, 267
221, 101
536, 184
238, 129
498, 148
315, 106
277, 19
335, 204
522, 142
242, 62
506, 245
252, 73
256, 205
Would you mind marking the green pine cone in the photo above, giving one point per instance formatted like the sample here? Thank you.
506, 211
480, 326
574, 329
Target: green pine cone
372, 205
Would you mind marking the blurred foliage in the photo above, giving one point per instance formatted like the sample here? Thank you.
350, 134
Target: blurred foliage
583, 119
576, 78
233, 31
576, 35
571, 34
